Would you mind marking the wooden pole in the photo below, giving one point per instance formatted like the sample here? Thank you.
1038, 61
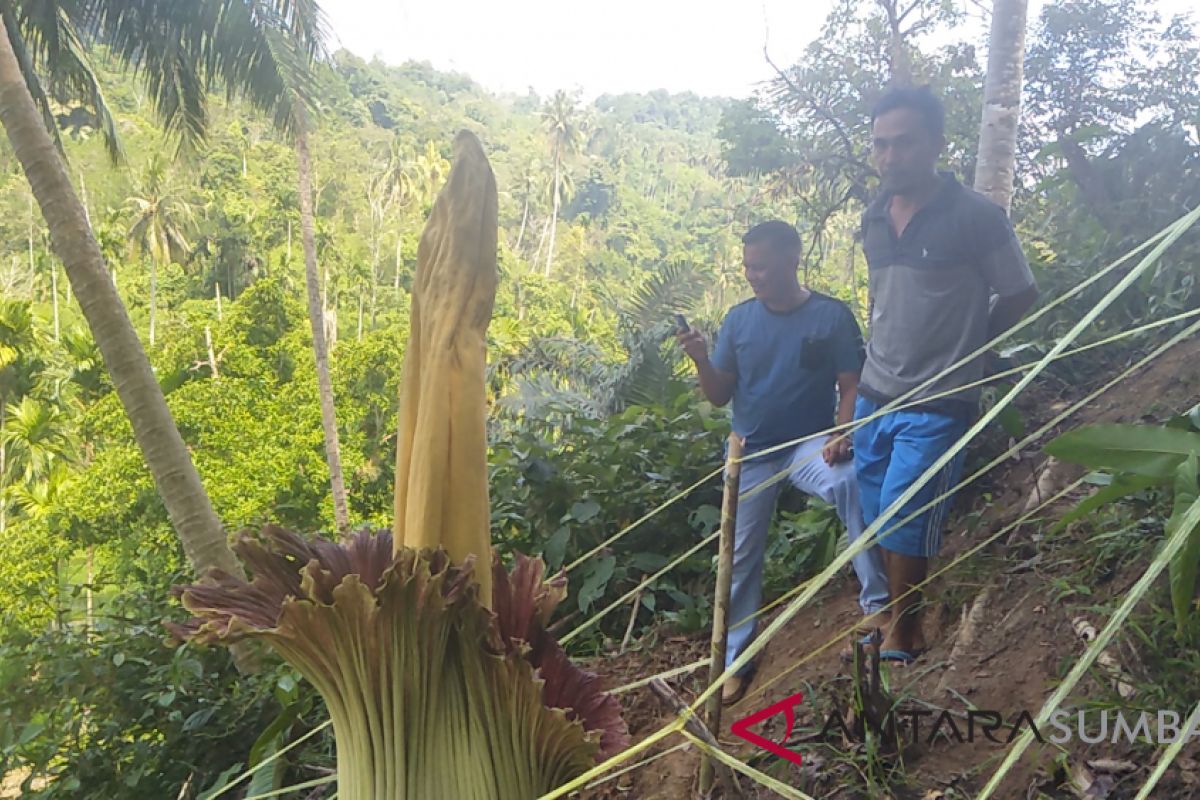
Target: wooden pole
720, 628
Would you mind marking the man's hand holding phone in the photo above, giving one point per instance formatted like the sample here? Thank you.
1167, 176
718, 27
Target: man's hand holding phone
691, 340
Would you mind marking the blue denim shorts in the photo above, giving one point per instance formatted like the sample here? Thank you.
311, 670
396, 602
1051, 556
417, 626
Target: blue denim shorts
890, 454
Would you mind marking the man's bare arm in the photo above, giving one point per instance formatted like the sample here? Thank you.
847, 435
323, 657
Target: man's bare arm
1008, 311
716, 385
837, 449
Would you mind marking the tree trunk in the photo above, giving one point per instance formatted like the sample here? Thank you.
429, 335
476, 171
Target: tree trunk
212, 357
901, 69
217, 292
554, 213
153, 296
358, 336
997, 157
71, 239
524, 219
317, 321
537, 256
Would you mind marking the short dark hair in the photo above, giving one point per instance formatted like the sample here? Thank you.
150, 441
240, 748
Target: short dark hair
920, 99
779, 235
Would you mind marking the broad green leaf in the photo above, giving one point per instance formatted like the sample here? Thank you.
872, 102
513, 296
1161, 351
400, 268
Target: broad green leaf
30, 732
555, 551
1187, 561
1120, 486
648, 562
598, 571
584, 511
1141, 449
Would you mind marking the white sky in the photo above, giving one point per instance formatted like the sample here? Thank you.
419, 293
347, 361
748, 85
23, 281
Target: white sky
711, 47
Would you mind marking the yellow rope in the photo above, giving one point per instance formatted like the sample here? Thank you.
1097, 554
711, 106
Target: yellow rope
671, 673
617, 759
638, 765
766, 780
1168, 236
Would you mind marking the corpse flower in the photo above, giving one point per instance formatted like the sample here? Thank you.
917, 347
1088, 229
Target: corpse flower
431, 695
441, 681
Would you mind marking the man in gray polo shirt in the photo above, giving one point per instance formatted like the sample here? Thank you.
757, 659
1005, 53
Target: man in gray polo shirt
937, 253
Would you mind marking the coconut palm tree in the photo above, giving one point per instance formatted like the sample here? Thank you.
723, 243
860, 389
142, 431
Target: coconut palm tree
562, 120
316, 318
160, 217
258, 51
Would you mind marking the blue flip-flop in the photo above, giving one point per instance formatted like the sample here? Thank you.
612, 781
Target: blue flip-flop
900, 657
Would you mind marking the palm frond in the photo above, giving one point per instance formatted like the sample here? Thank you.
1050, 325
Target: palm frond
29, 71
257, 50
674, 289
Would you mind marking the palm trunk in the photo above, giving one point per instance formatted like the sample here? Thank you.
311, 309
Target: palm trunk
374, 293
153, 296
537, 256
524, 219
316, 320
554, 213
1002, 102
188, 505
212, 357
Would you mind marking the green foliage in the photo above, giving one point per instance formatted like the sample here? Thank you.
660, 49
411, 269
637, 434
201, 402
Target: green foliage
1137, 457
561, 497
112, 713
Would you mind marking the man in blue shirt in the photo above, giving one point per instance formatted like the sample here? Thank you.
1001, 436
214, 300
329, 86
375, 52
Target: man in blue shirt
779, 357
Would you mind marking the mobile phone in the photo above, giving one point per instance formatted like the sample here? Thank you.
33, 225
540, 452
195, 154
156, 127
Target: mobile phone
681, 324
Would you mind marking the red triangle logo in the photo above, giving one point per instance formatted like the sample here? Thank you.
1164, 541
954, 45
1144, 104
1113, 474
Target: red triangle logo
787, 707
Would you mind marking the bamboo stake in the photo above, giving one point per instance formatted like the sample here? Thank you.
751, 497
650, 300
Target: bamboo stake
720, 628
